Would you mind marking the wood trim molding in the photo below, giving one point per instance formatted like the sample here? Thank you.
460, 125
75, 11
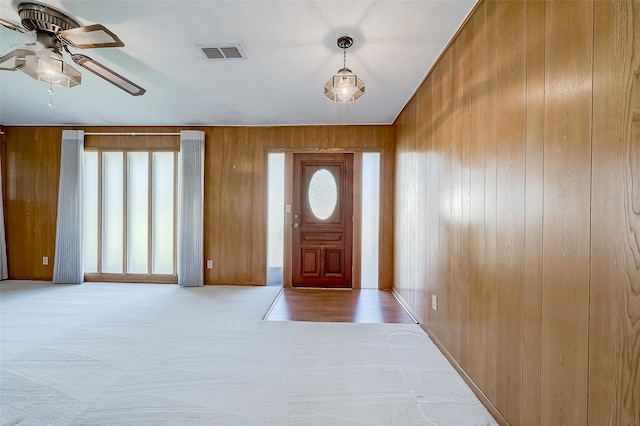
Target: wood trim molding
127, 142
132, 278
288, 200
356, 260
476, 390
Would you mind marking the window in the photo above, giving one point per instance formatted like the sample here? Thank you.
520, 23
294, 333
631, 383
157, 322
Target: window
323, 194
275, 212
130, 207
370, 218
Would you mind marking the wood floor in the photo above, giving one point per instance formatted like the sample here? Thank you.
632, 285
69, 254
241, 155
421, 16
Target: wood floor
328, 305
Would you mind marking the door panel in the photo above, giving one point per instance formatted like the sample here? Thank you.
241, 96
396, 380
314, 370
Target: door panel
322, 220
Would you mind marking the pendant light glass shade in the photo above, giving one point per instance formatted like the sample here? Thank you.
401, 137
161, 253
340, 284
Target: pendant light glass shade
344, 86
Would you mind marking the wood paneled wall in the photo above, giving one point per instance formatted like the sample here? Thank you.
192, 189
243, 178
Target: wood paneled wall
517, 171
614, 297
32, 175
235, 191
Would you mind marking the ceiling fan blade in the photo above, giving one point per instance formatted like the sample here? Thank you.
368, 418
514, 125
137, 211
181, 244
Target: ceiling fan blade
90, 36
111, 76
12, 26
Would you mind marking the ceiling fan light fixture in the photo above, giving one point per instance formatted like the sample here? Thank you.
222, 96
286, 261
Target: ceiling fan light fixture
55, 71
49, 69
15, 59
54, 32
344, 86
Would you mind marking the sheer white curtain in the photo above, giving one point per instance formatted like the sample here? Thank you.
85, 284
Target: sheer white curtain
4, 270
67, 266
191, 209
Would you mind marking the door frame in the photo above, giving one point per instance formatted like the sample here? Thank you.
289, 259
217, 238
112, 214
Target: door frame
385, 268
356, 259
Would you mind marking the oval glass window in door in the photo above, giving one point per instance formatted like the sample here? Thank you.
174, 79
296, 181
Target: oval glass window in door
323, 194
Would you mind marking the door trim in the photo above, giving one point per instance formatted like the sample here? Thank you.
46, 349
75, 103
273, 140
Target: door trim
356, 273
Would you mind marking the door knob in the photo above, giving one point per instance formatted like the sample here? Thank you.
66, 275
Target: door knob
295, 225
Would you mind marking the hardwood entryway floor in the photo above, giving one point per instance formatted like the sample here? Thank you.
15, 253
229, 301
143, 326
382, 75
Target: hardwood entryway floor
328, 305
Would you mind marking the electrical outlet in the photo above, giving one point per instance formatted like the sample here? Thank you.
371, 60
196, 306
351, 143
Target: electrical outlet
434, 302
209, 264
45, 260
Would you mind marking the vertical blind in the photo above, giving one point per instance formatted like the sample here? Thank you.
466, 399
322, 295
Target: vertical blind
191, 209
4, 270
67, 266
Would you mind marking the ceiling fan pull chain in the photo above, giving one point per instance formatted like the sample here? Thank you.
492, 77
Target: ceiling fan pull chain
51, 92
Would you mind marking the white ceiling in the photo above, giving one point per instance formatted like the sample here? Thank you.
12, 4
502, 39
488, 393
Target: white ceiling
290, 48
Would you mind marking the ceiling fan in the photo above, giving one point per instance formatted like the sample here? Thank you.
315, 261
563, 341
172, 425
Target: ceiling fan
53, 32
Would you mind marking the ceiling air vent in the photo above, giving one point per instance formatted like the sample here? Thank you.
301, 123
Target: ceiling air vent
227, 51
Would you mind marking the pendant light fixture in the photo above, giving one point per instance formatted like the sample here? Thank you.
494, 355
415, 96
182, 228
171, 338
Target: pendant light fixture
345, 86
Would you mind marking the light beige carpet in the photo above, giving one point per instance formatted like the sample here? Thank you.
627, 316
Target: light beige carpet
134, 354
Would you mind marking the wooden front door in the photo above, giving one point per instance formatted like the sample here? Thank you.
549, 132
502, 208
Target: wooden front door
322, 220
